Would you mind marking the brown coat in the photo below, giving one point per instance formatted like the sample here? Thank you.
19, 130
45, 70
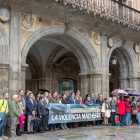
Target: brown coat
53, 100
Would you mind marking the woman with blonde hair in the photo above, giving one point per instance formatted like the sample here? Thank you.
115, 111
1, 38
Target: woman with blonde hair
21, 108
106, 109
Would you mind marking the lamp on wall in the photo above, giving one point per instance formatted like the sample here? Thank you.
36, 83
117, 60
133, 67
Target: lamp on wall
114, 60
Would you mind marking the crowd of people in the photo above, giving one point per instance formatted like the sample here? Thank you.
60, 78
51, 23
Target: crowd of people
30, 106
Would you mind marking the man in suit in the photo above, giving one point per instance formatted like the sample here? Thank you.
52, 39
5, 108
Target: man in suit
41, 114
46, 104
71, 100
38, 96
31, 109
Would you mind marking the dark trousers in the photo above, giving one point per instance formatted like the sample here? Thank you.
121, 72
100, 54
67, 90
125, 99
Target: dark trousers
46, 121
71, 124
42, 122
3, 124
134, 121
17, 130
88, 123
121, 119
53, 126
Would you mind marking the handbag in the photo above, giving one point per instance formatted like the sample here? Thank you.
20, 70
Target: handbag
134, 112
2, 114
117, 118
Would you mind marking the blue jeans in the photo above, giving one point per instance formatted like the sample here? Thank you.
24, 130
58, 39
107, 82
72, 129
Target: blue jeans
3, 124
88, 122
124, 119
134, 121
52, 126
63, 125
128, 115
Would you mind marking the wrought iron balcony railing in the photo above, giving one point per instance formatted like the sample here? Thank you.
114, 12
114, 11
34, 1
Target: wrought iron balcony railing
109, 9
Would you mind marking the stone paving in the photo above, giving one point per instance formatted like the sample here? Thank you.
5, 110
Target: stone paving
88, 133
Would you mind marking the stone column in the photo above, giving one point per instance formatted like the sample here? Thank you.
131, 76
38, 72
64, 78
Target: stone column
133, 83
23, 76
105, 68
85, 84
4, 76
15, 53
124, 83
95, 83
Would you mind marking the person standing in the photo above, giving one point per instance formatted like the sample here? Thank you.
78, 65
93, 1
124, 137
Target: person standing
37, 98
46, 104
113, 104
15, 114
93, 100
53, 99
121, 109
20, 105
71, 100
99, 101
4, 109
128, 108
31, 109
136, 108
88, 102
41, 114
23, 98
64, 101
106, 110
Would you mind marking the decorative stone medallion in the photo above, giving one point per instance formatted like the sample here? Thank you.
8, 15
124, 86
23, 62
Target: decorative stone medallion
110, 42
27, 21
97, 39
136, 48
5, 15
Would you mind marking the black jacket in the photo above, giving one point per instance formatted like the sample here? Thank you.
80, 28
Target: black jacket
98, 101
64, 101
41, 109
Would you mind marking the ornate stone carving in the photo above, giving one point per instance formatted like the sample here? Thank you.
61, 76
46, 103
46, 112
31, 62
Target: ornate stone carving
97, 39
27, 21
68, 68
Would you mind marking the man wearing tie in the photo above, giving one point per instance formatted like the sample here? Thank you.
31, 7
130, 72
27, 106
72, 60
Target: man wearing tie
46, 104
31, 109
71, 100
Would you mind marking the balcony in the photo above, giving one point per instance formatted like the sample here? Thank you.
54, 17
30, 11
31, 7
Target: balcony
108, 17
110, 9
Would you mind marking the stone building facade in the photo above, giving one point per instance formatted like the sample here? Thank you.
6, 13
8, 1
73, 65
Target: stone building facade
45, 42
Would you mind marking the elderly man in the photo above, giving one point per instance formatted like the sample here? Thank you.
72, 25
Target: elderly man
46, 104
4, 110
15, 114
92, 99
100, 101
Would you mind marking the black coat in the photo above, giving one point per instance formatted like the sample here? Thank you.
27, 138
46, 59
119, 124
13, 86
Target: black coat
41, 109
98, 101
64, 101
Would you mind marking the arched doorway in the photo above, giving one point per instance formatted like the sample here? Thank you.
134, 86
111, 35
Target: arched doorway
126, 68
76, 43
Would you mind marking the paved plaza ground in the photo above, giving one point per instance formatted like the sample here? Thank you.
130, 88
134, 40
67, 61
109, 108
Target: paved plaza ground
88, 133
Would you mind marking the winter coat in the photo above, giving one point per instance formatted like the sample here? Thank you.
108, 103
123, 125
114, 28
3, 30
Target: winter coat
106, 110
121, 107
15, 111
128, 106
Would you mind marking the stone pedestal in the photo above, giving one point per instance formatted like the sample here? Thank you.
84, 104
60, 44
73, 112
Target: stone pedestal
95, 83
4, 75
85, 85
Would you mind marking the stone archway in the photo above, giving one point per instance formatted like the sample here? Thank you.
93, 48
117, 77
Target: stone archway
4, 60
128, 62
78, 44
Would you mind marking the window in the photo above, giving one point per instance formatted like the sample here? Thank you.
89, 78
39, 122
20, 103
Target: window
66, 85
